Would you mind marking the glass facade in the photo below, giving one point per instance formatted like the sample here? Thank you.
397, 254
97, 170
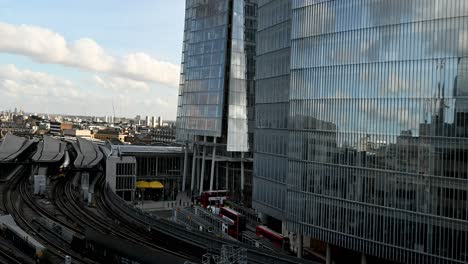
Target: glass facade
272, 107
217, 71
378, 127
237, 115
202, 81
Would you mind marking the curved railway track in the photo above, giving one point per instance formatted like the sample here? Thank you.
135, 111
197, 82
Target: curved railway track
5, 256
12, 199
66, 199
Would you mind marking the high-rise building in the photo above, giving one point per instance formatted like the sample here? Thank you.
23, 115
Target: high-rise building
216, 91
377, 142
138, 120
159, 124
272, 107
148, 121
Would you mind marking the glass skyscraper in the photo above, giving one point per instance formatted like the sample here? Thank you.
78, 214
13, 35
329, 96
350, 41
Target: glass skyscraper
216, 95
272, 107
377, 102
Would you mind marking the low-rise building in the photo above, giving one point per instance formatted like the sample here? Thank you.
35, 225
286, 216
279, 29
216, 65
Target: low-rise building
128, 164
57, 128
77, 132
107, 134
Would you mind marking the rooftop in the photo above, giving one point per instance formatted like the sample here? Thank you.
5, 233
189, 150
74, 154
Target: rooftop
88, 154
118, 150
49, 150
108, 132
12, 146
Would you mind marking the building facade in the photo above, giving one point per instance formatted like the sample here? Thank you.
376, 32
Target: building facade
378, 150
272, 107
128, 164
375, 159
216, 91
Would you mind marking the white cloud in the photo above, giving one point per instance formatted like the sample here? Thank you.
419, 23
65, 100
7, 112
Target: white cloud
25, 82
121, 85
46, 46
46, 93
394, 85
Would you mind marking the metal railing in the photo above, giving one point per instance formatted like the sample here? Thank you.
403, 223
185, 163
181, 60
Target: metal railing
212, 243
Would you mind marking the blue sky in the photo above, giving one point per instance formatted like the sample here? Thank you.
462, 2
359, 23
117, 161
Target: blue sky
77, 57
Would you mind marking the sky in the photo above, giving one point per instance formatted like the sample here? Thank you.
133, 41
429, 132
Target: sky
89, 57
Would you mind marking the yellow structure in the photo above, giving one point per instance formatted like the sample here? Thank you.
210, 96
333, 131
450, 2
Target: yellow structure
149, 185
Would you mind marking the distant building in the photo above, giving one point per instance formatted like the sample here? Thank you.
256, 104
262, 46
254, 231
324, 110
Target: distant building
160, 121
164, 135
107, 134
138, 120
148, 121
54, 128
77, 132
57, 128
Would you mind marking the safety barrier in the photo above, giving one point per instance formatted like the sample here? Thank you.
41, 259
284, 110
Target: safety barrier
212, 243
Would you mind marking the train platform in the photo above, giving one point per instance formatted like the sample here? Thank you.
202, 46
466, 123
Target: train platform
49, 150
12, 147
88, 154
7, 222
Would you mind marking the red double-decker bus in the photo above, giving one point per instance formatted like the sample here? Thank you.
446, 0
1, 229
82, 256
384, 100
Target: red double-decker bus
213, 198
237, 219
276, 238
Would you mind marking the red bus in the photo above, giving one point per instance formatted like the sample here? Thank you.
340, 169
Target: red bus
213, 198
237, 220
276, 238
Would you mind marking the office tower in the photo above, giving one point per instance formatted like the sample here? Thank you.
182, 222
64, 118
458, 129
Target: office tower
216, 91
377, 152
272, 107
159, 121
148, 121
138, 120
153, 121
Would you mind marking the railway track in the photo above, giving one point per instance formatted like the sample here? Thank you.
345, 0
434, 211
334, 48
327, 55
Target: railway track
7, 258
67, 202
40, 210
12, 200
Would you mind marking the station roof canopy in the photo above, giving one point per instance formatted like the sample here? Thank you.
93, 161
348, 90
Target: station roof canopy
149, 185
49, 150
88, 154
136, 150
8, 221
12, 146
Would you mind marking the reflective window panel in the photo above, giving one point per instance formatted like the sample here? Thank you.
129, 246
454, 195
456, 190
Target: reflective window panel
272, 107
378, 121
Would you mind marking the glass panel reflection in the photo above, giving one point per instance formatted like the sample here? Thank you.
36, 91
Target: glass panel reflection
378, 141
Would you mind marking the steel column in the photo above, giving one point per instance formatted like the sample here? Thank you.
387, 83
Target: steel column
184, 176
194, 162
203, 165
227, 175
242, 177
213, 157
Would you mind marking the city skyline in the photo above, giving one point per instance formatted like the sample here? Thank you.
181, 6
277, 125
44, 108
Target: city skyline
294, 131
77, 68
